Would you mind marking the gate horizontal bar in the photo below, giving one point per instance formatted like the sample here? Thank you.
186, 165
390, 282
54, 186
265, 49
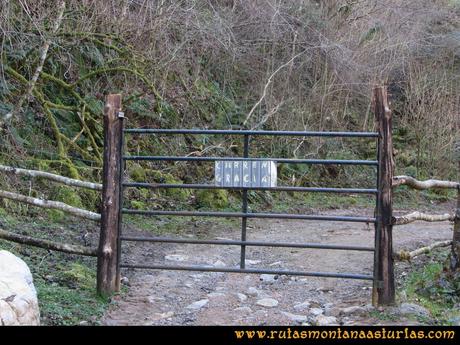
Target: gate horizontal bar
249, 132
250, 215
250, 270
246, 243
280, 188
232, 159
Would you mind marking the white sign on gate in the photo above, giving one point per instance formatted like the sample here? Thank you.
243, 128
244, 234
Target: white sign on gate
260, 173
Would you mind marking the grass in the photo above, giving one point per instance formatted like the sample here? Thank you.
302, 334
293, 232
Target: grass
69, 302
65, 283
383, 315
430, 286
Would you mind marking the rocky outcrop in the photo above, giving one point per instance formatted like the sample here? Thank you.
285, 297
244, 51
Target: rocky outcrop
18, 297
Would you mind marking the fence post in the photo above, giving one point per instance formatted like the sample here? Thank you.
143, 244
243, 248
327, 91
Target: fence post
455, 262
384, 285
108, 279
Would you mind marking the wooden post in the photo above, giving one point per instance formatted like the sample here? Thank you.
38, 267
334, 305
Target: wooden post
384, 284
107, 266
455, 261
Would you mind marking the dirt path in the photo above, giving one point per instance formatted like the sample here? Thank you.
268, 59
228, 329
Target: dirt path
196, 298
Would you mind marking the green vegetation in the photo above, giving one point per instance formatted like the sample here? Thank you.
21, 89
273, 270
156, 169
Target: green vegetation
72, 298
65, 283
431, 285
212, 198
216, 64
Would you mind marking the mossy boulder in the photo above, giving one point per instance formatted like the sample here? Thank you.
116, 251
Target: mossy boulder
139, 173
157, 176
212, 198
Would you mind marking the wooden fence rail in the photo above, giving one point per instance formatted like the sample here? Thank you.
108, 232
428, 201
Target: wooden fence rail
53, 177
421, 185
46, 244
50, 204
417, 216
404, 255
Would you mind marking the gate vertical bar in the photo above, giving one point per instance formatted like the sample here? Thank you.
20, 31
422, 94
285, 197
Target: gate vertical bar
121, 117
107, 265
384, 284
244, 220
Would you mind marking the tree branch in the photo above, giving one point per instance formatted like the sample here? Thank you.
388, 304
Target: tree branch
46, 244
269, 81
57, 205
38, 70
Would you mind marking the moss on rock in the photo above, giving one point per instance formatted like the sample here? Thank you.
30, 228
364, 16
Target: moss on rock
157, 176
212, 198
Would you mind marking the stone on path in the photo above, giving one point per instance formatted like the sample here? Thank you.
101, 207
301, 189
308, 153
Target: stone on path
252, 291
176, 257
302, 306
355, 310
269, 278
198, 304
219, 263
242, 297
322, 320
316, 311
267, 302
243, 310
295, 317
413, 309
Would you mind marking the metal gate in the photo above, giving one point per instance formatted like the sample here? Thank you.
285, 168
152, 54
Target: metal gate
245, 214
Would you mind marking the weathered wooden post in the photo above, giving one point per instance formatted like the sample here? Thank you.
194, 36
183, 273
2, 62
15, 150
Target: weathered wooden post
108, 275
384, 284
455, 261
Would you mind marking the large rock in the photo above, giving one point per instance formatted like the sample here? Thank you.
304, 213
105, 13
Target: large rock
18, 298
408, 309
